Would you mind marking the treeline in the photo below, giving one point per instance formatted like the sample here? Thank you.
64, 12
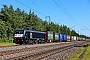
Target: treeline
11, 20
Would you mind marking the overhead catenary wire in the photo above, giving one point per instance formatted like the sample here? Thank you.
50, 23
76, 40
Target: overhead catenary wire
86, 28
40, 12
65, 12
32, 9
29, 7
41, 8
65, 8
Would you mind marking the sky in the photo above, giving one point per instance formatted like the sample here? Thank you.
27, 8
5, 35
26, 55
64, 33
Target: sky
68, 12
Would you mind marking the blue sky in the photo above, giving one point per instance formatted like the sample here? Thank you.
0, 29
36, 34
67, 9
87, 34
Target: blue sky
75, 12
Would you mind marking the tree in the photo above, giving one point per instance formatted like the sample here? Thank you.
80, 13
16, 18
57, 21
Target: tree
11, 20
8, 33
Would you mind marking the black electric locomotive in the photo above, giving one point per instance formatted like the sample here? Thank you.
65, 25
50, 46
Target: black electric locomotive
29, 36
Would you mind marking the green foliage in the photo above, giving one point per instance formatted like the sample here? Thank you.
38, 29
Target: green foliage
87, 54
76, 55
11, 20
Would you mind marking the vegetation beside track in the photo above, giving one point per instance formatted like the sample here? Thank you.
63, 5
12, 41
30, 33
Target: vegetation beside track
85, 57
87, 54
76, 55
7, 44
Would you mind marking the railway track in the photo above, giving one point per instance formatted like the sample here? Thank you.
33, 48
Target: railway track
21, 50
36, 52
63, 55
6, 48
44, 54
30, 52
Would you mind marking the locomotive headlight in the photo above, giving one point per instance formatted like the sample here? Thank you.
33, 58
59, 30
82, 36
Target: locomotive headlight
15, 35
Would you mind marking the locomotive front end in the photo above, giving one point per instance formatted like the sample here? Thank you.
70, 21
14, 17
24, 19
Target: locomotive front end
18, 36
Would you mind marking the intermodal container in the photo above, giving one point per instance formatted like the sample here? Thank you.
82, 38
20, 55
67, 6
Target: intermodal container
78, 38
61, 37
83, 38
74, 38
55, 36
49, 35
64, 37
68, 38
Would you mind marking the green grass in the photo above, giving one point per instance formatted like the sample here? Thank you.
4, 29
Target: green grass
6, 44
76, 55
87, 54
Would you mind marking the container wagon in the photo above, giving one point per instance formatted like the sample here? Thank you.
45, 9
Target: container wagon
74, 38
49, 36
56, 37
62, 37
69, 38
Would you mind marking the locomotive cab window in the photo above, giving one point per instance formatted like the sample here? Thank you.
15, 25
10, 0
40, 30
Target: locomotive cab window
19, 32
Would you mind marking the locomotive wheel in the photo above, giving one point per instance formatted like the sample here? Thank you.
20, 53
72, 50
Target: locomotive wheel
24, 43
31, 42
35, 41
38, 41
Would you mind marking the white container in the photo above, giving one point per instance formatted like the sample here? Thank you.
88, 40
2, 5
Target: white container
74, 38
68, 37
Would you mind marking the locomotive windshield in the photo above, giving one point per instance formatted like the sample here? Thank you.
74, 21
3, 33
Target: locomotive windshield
19, 31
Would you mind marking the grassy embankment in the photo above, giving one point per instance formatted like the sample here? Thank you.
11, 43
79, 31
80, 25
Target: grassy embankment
86, 56
6, 44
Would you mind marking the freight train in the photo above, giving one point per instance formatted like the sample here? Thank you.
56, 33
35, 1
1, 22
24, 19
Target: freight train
34, 36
